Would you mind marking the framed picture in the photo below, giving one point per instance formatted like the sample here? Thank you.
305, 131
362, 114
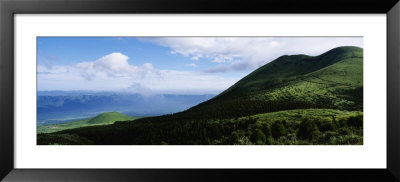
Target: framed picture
200, 90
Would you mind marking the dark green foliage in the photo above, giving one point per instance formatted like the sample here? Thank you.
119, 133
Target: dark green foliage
326, 125
329, 135
258, 137
62, 139
266, 129
234, 138
347, 140
278, 129
342, 123
335, 122
355, 121
237, 131
308, 129
344, 131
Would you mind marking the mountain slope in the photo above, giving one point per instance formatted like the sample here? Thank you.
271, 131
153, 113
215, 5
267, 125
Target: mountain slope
332, 80
108, 117
288, 67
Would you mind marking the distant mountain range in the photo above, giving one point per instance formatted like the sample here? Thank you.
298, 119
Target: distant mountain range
61, 106
296, 99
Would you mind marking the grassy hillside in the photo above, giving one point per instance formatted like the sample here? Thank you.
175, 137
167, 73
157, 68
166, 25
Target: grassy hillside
101, 119
288, 67
332, 80
108, 118
295, 99
302, 126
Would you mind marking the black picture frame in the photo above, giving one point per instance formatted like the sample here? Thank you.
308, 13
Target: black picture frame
8, 8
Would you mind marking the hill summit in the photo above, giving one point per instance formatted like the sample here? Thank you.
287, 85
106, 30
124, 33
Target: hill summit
332, 80
287, 68
108, 117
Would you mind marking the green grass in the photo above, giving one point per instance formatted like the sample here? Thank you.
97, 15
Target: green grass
299, 115
101, 119
109, 118
289, 67
330, 83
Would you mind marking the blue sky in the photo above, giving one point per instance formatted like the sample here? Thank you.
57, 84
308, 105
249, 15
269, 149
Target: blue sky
66, 51
149, 65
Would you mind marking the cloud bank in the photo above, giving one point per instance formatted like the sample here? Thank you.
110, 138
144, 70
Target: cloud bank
113, 72
245, 53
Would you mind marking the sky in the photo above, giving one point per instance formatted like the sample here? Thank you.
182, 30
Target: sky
156, 65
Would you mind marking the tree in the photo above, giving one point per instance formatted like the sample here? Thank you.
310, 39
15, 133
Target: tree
266, 129
308, 129
278, 129
356, 121
258, 137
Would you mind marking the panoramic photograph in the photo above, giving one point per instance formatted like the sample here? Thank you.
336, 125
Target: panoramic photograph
199, 91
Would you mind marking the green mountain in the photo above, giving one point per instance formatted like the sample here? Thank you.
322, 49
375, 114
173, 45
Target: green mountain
101, 119
287, 68
109, 117
333, 80
325, 92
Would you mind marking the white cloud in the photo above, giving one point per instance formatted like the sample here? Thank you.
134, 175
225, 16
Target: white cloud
112, 65
113, 72
249, 52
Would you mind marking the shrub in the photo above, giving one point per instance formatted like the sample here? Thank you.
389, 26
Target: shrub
356, 121
342, 123
258, 137
326, 125
349, 140
266, 129
308, 129
278, 129
327, 137
234, 138
335, 122
289, 139
344, 131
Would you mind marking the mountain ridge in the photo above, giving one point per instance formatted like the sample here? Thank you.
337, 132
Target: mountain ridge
334, 55
240, 91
